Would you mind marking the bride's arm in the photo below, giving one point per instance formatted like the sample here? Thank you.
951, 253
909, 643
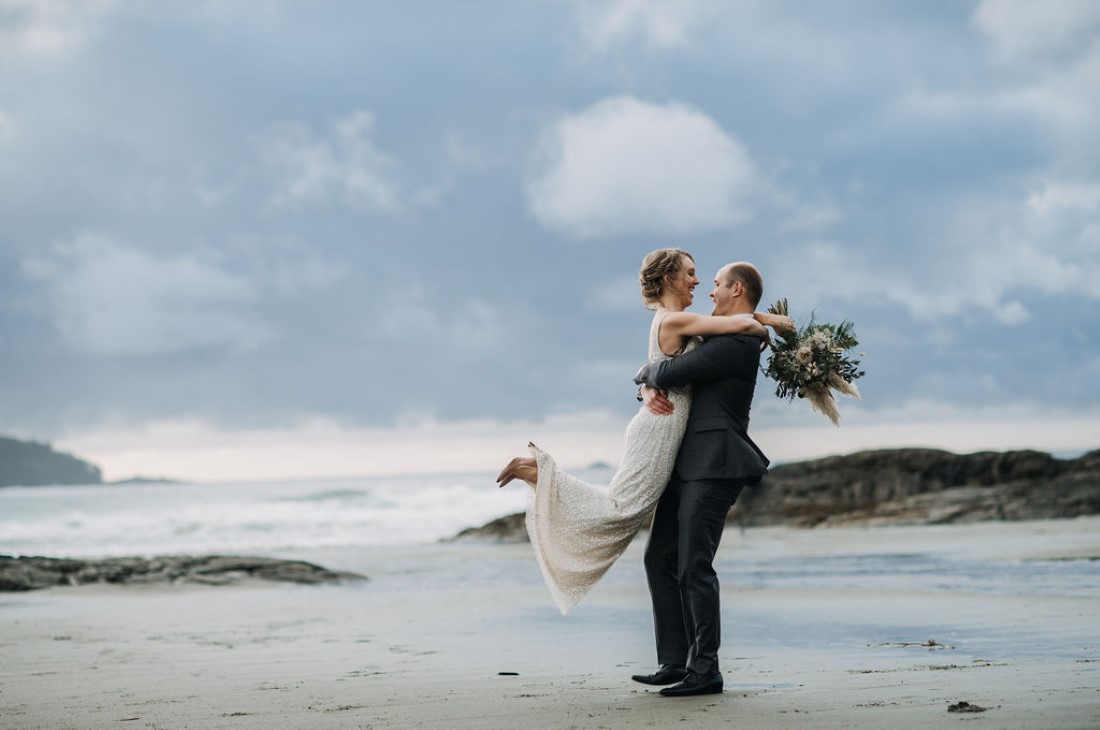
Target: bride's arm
690, 324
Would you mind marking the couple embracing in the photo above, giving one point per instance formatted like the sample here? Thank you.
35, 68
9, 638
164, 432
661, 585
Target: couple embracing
687, 457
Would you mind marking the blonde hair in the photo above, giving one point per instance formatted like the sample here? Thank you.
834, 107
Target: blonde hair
655, 267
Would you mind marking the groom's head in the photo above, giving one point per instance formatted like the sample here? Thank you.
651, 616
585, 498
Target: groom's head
737, 289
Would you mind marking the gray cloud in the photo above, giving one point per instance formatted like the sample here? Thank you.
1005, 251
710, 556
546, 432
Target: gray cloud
51, 29
1021, 28
110, 298
664, 24
342, 168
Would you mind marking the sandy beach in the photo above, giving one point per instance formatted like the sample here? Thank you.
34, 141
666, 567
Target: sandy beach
822, 629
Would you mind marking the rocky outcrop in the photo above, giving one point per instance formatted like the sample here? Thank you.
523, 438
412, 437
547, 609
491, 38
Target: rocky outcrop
902, 486
923, 486
30, 573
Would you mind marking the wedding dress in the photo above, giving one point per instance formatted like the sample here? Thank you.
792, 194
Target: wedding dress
577, 529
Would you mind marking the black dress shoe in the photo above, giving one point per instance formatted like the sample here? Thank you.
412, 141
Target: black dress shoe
695, 684
665, 674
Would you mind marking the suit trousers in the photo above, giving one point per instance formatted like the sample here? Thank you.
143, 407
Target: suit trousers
679, 563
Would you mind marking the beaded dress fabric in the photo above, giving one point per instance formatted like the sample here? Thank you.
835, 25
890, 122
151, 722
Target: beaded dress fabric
578, 530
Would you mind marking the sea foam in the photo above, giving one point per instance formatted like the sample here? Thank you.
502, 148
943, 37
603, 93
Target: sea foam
257, 517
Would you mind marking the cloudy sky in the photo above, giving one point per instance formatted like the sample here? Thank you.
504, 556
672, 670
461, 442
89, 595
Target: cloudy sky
264, 238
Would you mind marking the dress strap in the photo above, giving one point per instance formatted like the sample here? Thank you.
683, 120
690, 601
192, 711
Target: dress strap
655, 351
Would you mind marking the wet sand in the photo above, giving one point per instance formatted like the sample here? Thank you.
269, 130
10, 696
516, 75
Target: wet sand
822, 629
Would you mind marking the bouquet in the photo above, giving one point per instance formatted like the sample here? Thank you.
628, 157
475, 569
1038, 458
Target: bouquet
811, 363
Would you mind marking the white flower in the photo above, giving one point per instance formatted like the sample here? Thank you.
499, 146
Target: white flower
805, 354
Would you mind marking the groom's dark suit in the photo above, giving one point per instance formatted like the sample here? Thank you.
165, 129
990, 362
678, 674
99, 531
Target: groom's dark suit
716, 459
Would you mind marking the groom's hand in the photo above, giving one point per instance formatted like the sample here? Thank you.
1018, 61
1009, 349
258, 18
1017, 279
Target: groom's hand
657, 402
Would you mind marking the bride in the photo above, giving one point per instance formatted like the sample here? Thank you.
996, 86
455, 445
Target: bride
578, 530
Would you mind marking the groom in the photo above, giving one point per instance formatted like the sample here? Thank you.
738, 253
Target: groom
716, 459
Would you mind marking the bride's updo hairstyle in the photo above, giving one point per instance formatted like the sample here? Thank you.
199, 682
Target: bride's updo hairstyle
655, 267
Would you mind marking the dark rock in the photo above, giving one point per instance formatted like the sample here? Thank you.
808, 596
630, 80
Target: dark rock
23, 577
510, 528
30, 573
900, 486
923, 486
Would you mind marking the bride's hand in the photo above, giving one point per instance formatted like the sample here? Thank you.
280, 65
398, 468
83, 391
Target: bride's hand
778, 322
755, 328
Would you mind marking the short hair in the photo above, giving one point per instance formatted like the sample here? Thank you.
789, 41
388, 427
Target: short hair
750, 279
655, 267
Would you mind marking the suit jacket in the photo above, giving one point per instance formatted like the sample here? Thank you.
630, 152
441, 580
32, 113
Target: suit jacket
716, 444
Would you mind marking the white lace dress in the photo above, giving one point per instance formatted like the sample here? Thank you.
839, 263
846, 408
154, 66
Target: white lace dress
579, 530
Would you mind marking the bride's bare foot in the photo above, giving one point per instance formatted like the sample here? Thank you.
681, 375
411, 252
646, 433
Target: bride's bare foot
521, 467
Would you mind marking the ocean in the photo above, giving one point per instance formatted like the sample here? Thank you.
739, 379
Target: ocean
276, 517
356, 522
